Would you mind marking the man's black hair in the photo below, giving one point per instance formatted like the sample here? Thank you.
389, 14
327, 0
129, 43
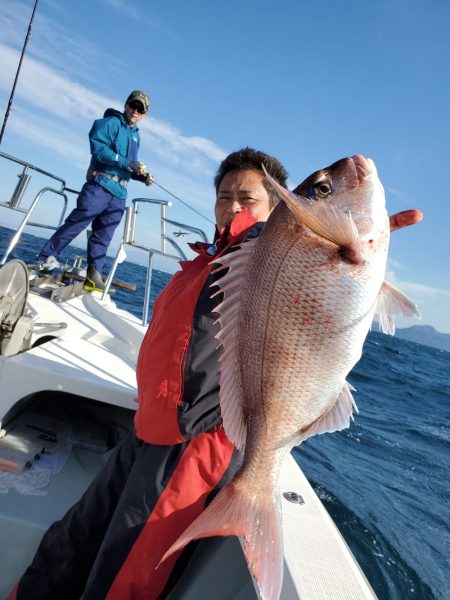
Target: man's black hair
249, 158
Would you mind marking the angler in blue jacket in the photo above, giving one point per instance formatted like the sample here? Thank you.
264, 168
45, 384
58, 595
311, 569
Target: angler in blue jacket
114, 142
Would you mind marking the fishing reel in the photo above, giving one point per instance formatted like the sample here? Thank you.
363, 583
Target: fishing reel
15, 326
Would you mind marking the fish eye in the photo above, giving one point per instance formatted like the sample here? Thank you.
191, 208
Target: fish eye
322, 189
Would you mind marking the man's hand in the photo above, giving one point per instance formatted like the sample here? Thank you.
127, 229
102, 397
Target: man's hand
136, 167
146, 178
405, 218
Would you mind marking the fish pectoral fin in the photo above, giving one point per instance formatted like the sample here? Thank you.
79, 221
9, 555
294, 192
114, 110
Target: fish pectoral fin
391, 302
337, 418
324, 220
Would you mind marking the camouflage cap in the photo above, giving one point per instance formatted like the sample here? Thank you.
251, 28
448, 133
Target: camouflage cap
139, 96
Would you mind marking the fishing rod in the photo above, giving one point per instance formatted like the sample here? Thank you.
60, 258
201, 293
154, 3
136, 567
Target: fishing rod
183, 202
27, 37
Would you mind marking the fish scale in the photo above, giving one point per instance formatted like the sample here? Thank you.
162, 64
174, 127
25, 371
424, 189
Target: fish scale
287, 357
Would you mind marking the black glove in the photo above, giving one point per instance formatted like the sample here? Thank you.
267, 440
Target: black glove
146, 178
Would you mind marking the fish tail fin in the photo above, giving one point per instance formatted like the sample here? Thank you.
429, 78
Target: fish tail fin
257, 521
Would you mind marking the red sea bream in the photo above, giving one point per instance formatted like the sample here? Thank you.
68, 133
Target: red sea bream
298, 304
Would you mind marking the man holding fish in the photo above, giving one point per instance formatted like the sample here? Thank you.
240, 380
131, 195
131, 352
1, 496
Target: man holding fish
209, 433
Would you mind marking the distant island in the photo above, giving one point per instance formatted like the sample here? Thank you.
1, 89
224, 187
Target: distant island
426, 335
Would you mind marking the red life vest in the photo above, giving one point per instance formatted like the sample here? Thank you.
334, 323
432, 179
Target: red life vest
162, 358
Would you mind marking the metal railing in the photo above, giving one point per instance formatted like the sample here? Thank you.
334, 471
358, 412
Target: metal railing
129, 228
128, 240
18, 194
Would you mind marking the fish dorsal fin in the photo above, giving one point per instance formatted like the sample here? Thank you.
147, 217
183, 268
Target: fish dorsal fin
337, 418
326, 221
231, 396
391, 302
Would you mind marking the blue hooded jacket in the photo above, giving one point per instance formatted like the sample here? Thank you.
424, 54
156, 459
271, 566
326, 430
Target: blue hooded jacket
114, 143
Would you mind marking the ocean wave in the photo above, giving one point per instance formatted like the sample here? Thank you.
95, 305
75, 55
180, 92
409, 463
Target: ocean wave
390, 576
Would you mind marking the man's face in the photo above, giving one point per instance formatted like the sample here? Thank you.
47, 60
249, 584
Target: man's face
134, 112
238, 190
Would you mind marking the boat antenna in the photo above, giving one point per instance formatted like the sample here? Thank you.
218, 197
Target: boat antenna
183, 202
27, 37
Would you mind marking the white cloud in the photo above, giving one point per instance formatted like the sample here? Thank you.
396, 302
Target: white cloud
390, 191
178, 142
55, 45
46, 89
413, 287
60, 73
141, 13
55, 112
126, 7
426, 291
14, 20
48, 134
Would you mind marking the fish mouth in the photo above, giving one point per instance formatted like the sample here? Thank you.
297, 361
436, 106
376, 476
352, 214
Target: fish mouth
367, 175
364, 167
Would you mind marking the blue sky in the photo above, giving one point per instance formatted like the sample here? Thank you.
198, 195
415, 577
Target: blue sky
309, 82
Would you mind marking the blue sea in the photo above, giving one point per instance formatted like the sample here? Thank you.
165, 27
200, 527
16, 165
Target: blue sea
385, 480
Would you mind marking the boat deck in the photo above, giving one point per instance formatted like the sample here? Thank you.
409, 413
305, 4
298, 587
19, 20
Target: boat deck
318, 564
